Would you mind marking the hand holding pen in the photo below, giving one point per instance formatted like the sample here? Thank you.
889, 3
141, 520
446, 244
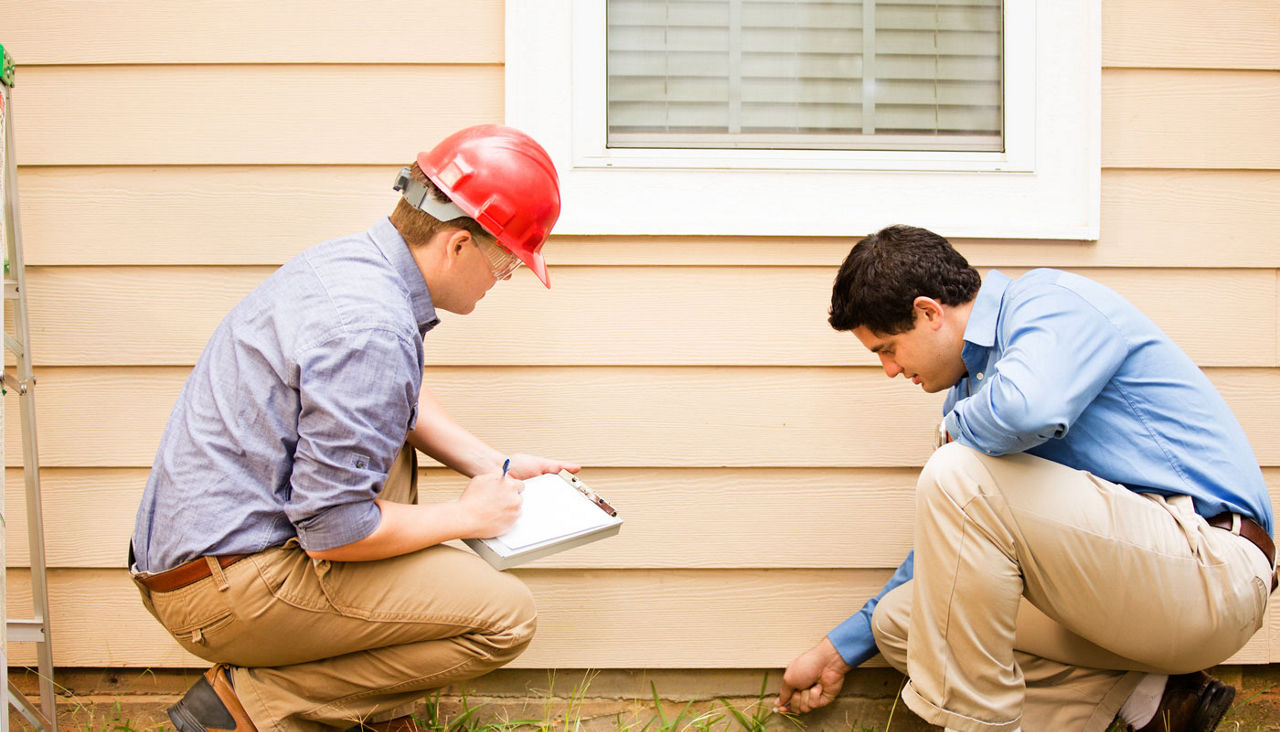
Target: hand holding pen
491, 502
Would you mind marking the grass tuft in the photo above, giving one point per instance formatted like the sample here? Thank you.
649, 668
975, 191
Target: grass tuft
561, 713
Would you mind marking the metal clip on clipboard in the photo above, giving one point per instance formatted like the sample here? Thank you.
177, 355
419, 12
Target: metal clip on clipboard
590, 494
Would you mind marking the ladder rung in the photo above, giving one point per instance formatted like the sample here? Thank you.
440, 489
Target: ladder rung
13, 344
29, 710
10, 289
25, 631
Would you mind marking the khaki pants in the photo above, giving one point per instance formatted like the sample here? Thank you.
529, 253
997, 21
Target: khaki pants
316, 644
1042, 593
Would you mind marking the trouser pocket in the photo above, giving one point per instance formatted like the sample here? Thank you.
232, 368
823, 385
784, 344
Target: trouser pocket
198, 616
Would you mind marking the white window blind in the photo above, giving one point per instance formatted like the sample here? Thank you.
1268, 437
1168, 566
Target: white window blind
805, 74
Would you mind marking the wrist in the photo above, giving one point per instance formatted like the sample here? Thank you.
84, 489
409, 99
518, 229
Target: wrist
457, 519
832, 658
488, 461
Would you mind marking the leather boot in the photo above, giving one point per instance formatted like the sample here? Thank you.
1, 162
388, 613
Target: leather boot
211, 706
1194, 702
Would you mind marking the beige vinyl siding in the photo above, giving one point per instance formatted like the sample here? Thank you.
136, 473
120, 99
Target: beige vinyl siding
349, 114
206, 215
173, 155
633, 583
1183, 34
247, 113
653, 416
1175, 118
611, 618
1222, 317
678, 618
863, 514
251, 31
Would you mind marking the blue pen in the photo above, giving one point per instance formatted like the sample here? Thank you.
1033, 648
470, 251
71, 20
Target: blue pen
505, 467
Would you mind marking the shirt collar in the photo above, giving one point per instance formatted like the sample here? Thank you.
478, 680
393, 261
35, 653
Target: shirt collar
396, 250
980, 331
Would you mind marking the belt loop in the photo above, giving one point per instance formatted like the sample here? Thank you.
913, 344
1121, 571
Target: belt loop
1235, 524
216, 570
320, 567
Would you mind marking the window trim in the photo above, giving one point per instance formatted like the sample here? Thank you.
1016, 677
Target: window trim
1036, 188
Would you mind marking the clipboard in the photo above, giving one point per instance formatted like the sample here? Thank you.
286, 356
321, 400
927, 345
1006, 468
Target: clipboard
559, 512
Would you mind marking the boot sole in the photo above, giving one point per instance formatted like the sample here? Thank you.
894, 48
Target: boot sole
182, 719
1215, 700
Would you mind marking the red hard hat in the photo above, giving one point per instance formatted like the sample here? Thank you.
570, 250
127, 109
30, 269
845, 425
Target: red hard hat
503, 179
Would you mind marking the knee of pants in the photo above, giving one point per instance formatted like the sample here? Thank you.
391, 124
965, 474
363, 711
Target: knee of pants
889, 624
521, 621
940, 472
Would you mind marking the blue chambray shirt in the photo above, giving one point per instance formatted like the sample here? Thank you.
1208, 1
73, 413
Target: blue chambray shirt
1061, 367
295, 411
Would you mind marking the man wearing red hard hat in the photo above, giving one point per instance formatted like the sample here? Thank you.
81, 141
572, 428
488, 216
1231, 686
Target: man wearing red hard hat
279, 535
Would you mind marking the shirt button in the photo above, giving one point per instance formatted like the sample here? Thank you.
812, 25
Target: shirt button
359, 463
979, 376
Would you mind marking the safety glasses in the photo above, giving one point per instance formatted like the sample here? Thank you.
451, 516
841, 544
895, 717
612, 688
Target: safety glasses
501, 261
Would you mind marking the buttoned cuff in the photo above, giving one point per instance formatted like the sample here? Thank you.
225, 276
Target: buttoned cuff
853, 640
338, 526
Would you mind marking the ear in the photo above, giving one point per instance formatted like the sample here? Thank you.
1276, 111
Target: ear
455, 242
928, 311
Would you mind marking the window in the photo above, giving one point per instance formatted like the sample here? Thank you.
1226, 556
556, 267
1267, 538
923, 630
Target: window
804, 74
975, 118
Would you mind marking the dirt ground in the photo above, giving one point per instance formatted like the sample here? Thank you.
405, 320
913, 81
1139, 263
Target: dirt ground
98, 700
1257, 704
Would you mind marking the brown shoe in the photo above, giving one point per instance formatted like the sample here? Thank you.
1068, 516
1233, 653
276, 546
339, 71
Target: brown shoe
400, 724
211, 706
1193, 702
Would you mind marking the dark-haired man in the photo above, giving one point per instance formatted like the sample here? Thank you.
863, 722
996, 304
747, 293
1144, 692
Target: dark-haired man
1096, 532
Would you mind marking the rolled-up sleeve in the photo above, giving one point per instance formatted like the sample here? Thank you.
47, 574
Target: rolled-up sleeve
357, 392
1060, 352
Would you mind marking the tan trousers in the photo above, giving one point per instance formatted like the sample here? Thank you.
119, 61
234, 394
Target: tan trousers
317, 644
1041, 593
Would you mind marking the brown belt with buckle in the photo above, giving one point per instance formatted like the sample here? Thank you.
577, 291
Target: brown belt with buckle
185, 574
1249, 529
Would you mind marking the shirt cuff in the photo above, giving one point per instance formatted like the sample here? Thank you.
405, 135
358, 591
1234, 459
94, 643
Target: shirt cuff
952, 424
853, 640
338, 526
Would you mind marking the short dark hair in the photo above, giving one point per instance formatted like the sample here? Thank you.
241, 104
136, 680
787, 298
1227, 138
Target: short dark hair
883, 275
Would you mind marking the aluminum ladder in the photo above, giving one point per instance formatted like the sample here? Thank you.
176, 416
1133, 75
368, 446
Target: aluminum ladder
23, 382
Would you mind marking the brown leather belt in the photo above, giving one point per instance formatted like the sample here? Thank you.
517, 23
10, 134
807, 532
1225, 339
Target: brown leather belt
1249, 529
183, 575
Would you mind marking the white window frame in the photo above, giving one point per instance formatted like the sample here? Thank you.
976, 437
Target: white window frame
1044, 185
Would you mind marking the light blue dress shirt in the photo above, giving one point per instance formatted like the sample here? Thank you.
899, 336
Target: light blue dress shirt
295, 411
1061, 367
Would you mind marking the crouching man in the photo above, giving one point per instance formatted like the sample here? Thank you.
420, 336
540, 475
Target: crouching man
279, 535
1096, 532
